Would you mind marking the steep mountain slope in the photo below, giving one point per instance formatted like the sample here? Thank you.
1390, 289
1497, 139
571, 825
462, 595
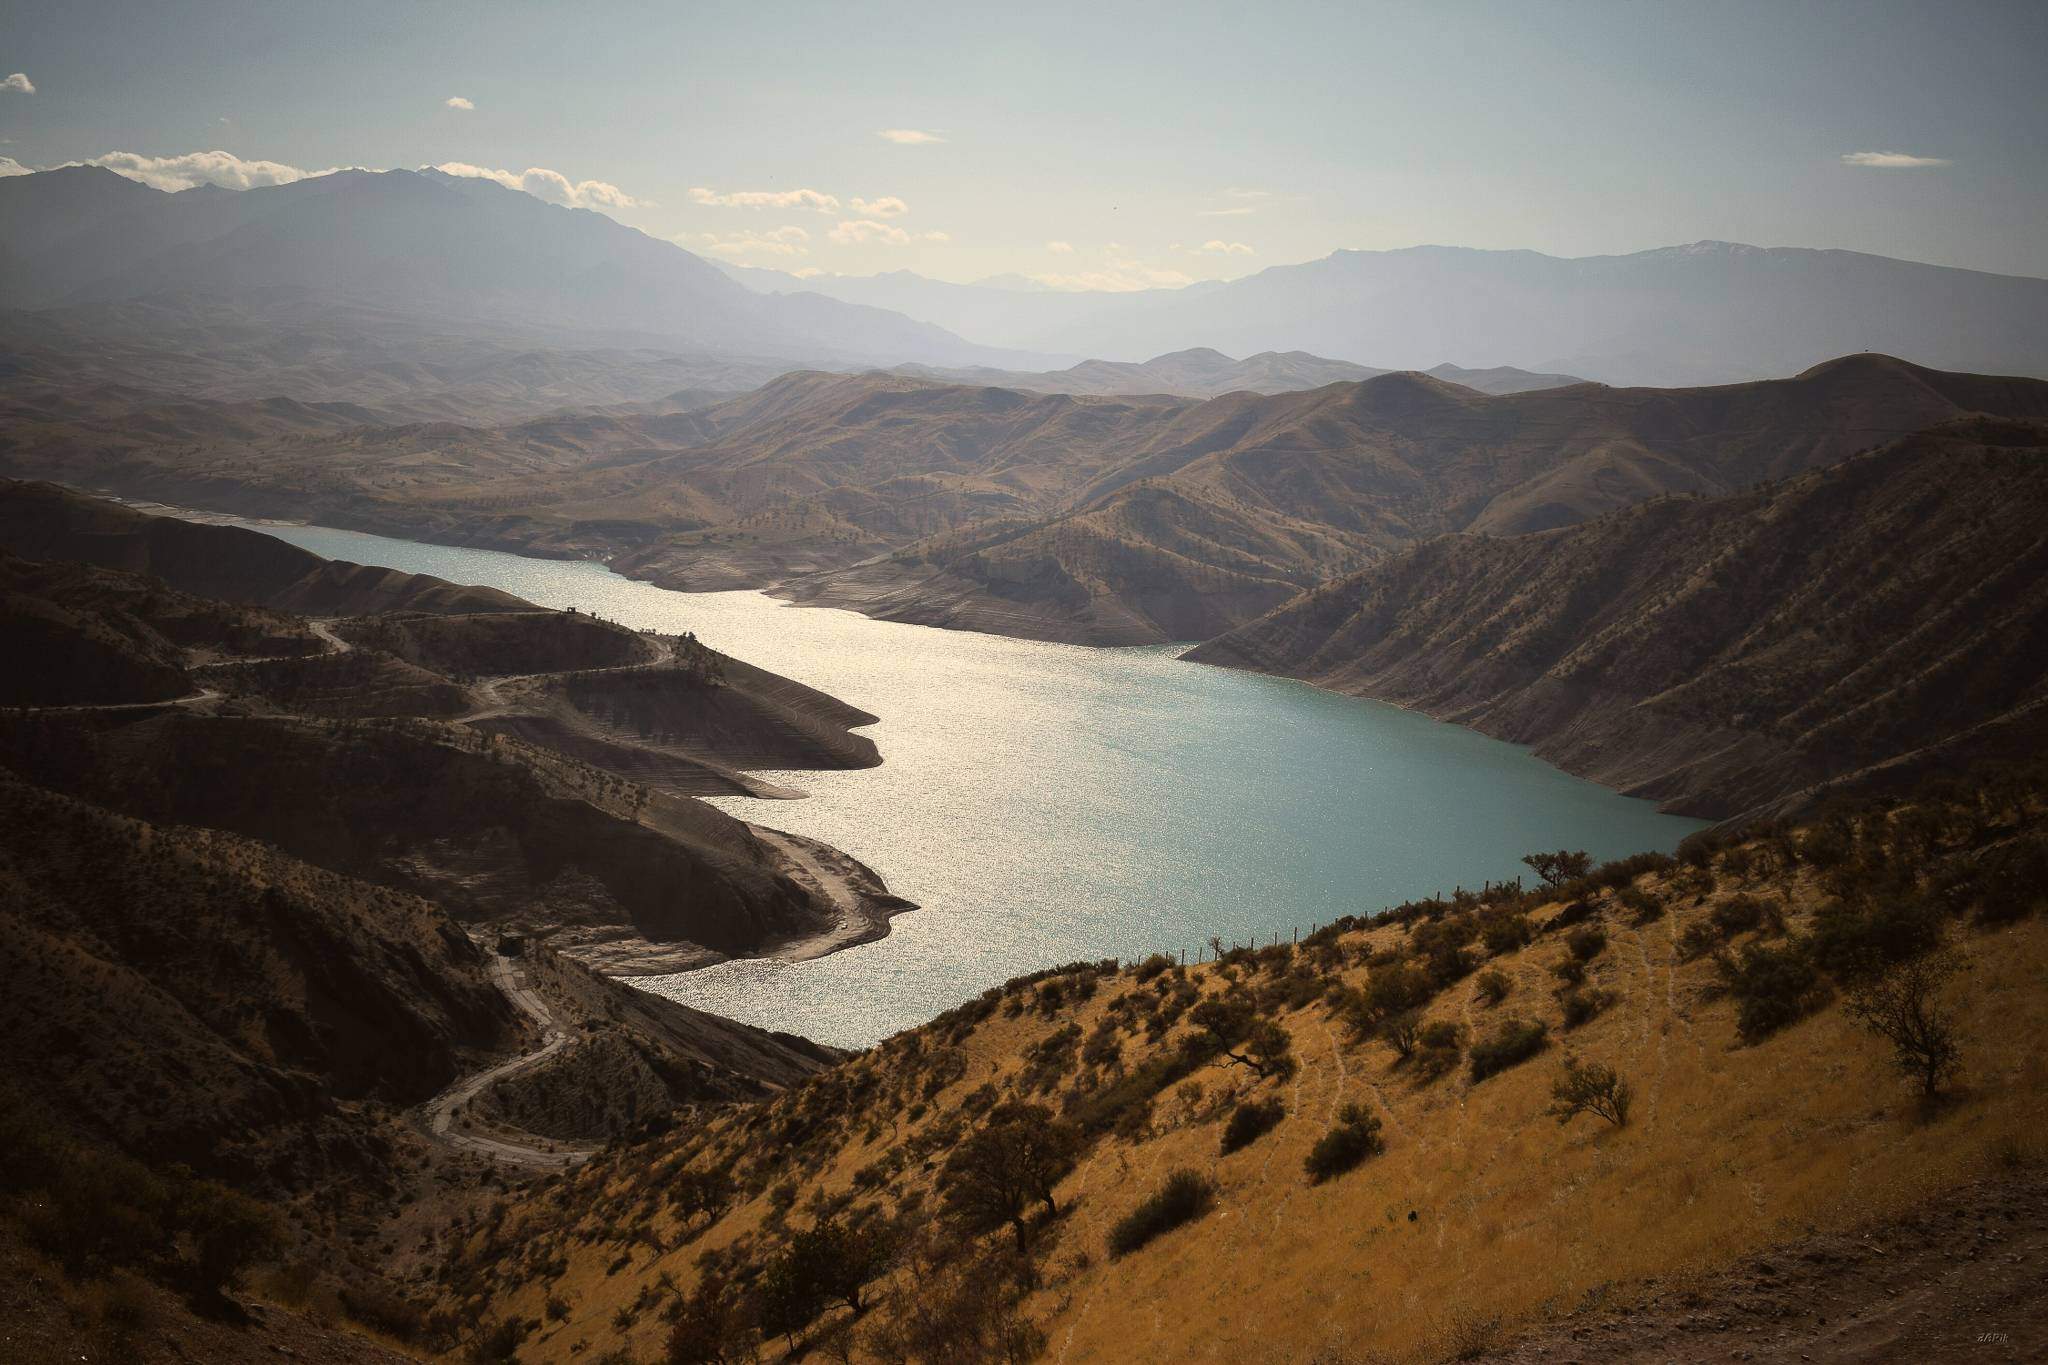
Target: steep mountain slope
1716, 654
205, 998
1282, 492
1354, 1145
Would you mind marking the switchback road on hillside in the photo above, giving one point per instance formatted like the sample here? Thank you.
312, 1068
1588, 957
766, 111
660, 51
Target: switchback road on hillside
519, 1149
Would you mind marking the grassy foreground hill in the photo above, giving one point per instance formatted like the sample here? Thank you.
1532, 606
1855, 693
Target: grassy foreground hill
1370, 1146
1716, 654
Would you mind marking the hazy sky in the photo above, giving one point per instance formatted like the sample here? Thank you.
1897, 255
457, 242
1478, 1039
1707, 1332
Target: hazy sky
1101, 143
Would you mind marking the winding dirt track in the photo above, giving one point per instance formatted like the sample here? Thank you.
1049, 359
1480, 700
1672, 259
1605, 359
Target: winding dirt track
440, 1112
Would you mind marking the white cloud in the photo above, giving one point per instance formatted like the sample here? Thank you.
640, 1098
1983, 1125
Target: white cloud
18, 84
805, 272
811, 200
1215, 247
863, 231
1236, 193
1060, 248
9, 166
201, 168
1225, 213
888, 206
552, 186
908, 137
458, 102
1891, 160
782, 241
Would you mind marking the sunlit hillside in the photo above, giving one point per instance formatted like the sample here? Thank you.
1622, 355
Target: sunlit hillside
1714, 986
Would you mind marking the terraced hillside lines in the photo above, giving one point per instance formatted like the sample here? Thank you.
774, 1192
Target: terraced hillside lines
1482, 1216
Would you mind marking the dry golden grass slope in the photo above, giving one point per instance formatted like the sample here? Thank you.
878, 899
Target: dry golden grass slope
1483, 1218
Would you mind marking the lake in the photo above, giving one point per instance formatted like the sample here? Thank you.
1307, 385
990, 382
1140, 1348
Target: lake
1044, 803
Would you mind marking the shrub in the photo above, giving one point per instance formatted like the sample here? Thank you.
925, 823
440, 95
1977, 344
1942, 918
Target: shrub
1740, 913
1506, 931
1514, 1041
1356, 1137
1394, 987
1699, 939
2006, 883
1569, 970
1852, 941
1436, 1052
715, 1325
1773, 987
1591, 1088
1586, 942
1643, 908
1249, 1122
1403, 1032
1901, 1005
1184, 1197
1493, 986
1581, 1005
1438, 1034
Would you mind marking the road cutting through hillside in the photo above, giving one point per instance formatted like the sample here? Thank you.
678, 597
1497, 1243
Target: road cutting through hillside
521, 1149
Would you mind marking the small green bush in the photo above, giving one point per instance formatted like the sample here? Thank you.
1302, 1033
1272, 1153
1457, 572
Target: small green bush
1185, 1196
1586, 942
1514, 1041
1249, 1122
1356, 1137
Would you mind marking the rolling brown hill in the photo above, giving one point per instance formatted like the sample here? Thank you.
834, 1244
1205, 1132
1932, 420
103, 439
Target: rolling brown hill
1112, 520
1714, 654
525, 768
1369, 467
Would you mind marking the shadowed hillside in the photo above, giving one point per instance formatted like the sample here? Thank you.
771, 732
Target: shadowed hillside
1719, 653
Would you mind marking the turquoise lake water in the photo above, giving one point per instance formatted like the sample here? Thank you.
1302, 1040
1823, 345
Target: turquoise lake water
1047, 802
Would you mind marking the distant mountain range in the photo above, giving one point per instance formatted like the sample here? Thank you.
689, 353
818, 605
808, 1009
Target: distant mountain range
1711, 312
1203, 373
428, 275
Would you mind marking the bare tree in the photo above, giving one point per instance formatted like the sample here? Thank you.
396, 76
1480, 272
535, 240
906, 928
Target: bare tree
1560, 867
1902, 1006
1590, 1088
